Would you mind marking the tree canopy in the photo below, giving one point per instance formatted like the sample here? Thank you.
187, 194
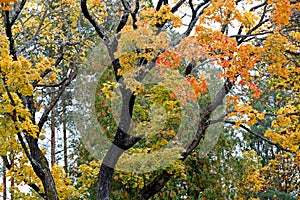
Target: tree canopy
177, 99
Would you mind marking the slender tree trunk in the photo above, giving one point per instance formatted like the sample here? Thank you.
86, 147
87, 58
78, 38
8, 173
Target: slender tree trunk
52, 139
4, 180
38, 161
53, 136
65, 145
12, 184
12, 181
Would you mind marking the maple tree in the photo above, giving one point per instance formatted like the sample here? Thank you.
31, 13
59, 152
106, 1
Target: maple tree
254, 45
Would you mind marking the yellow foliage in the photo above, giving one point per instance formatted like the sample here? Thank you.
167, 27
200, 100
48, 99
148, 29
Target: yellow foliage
153, 17
64, 184
17, 76
282, 173
252, 179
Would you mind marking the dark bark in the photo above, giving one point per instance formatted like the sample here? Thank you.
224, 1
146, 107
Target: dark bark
41, 168
65, 145
52, 126
35, 155
122, 142
12, 178
104, 183
106, 172
158, 183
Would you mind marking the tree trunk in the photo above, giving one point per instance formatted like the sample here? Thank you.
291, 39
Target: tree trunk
121, 142
52, 136
4, 180
52, 140
65, 146
41, 168
12, 181
104, 182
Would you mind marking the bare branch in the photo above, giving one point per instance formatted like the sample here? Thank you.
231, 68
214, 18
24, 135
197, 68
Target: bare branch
8, 32
258, 135
42, 19
160, 3
251, 35
258, 6
61, 90
53, 85
259, 24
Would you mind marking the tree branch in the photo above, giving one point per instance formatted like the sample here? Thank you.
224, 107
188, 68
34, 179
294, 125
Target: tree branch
92, 20
18, 11
8, 32
61, 90
258, 135
134, 13
177, 6
157, 184
52, 85
32, 160
260, 23
160, 3
124, 17
251, 35
196, 16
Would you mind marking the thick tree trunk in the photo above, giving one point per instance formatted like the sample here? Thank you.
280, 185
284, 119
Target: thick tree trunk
49, 186
106, 173
121, 142
41, 168
104, 182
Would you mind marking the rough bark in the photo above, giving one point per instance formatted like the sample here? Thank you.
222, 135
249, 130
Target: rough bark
41, 168
122, 140
35, 155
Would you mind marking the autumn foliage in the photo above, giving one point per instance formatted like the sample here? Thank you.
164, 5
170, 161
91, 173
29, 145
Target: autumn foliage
228, 62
